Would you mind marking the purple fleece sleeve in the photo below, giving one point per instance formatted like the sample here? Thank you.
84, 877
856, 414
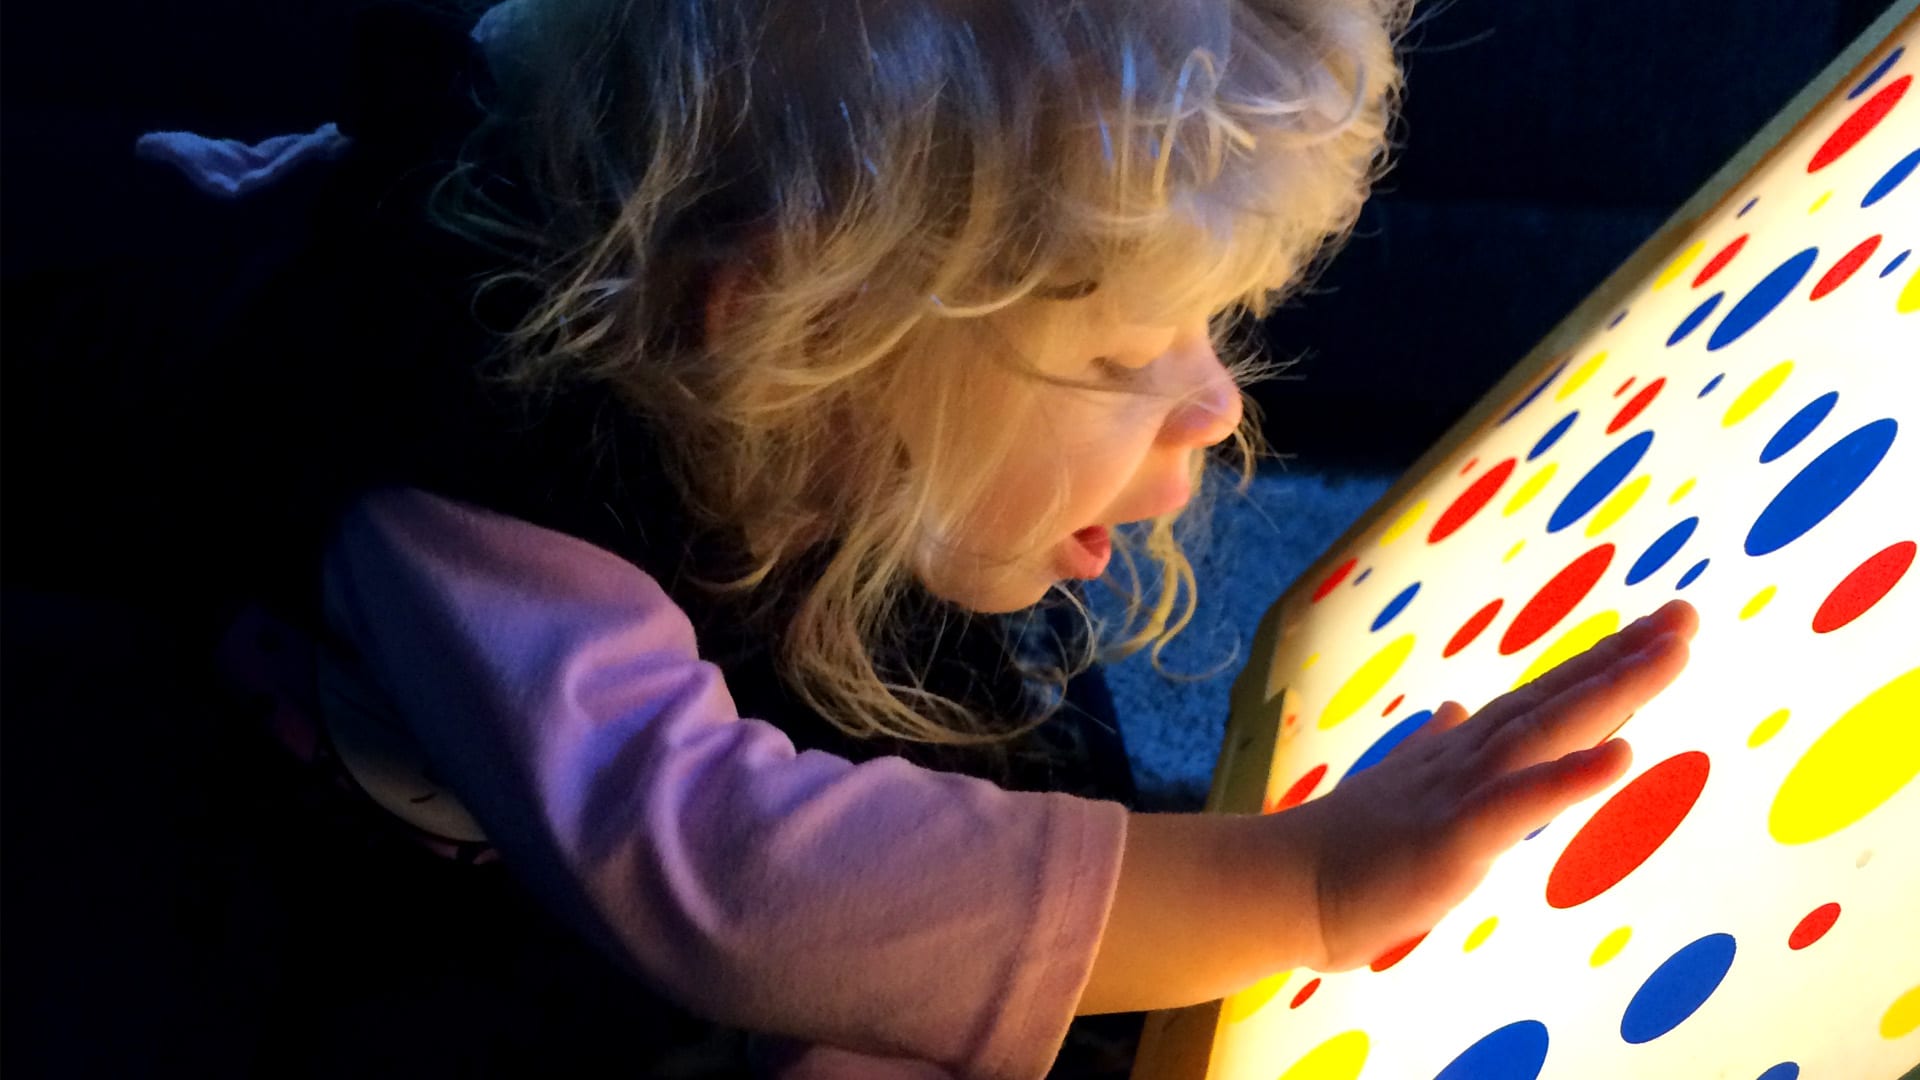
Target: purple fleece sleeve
882, 908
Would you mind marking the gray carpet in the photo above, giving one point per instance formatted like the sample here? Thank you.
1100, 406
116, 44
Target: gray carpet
1260, 542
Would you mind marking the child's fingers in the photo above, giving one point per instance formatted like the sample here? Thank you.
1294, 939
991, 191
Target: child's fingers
1585, 713
1514, 805
1676, 617
1450, 715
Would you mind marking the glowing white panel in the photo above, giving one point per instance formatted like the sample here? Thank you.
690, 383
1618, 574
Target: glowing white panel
1742, 431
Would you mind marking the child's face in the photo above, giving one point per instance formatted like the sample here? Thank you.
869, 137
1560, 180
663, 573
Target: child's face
1126, 456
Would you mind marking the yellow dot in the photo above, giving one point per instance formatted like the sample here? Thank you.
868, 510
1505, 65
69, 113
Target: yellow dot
1610, 946
1618, 504
1479, 935
1255, 997
1581, 374
1868, 754
1367, 681
1572, 644
1757, 393
1768, 728
1512, 551
1678, 266
1403, 523
1681, 491
1759, 602
1902, 1016
1819, 202
1909, 299
1339, 1058
1528, 490
1311, 660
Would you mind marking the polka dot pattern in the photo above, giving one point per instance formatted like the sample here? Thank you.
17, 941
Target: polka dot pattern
1517, 1051
1554, 599
1866, 586
1820, 488
1814, 926
1729, 428
1471, 501
1627, 830
1678, 988
1853, 768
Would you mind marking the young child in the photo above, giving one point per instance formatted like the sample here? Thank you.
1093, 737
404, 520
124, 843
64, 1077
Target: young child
828, 333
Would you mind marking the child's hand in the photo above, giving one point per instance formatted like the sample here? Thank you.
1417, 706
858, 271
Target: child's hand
1400, 844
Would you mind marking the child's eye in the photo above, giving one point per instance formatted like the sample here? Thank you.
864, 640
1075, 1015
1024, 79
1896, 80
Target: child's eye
1117, 372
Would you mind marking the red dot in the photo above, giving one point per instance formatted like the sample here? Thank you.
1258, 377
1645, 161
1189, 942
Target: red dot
1855, 127
1814, 926
1477, 495
1292, 719
1624, 385
1334, 579
1468, 467
1301, 788
1633, 408
1557, 597
1629, 828
1388, 711
1464, 636
1715, 264
1306, 992
1396, 954
1844, 269
1863, 588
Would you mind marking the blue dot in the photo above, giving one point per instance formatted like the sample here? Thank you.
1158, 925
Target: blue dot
1762, 299
1535, 832
1820, 488
1514, 1052
1786, 1070
1895, 264
1711, 383
1395, 606
1686, 579
1384, 744
1749, 206
1661, 550
1698, 316
1677, 988
1799, 426
1599, 481
1534, 393
1363, 575
1891, 180
1874, 75
1553, 435
1617, 318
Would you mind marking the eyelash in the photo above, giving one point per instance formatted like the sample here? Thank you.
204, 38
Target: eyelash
1118, 373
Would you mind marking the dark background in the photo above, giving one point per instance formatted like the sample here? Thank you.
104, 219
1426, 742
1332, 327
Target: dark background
1540, 144
158, 880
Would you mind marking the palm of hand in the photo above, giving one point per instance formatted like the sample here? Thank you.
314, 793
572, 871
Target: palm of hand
1400, 844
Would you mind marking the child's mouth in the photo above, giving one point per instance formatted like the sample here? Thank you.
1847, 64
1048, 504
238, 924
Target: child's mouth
1092, 547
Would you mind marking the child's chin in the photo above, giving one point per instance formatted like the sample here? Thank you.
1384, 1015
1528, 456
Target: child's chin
999, 595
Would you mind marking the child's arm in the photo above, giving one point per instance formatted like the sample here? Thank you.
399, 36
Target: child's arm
1206, 905
884, 908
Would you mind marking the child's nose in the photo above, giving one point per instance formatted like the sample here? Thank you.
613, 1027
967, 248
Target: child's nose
1211, 412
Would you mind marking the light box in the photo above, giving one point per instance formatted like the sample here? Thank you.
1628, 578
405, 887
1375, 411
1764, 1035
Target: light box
1733, 418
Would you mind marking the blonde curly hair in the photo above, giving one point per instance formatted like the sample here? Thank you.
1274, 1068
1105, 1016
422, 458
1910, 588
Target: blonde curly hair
905, 181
